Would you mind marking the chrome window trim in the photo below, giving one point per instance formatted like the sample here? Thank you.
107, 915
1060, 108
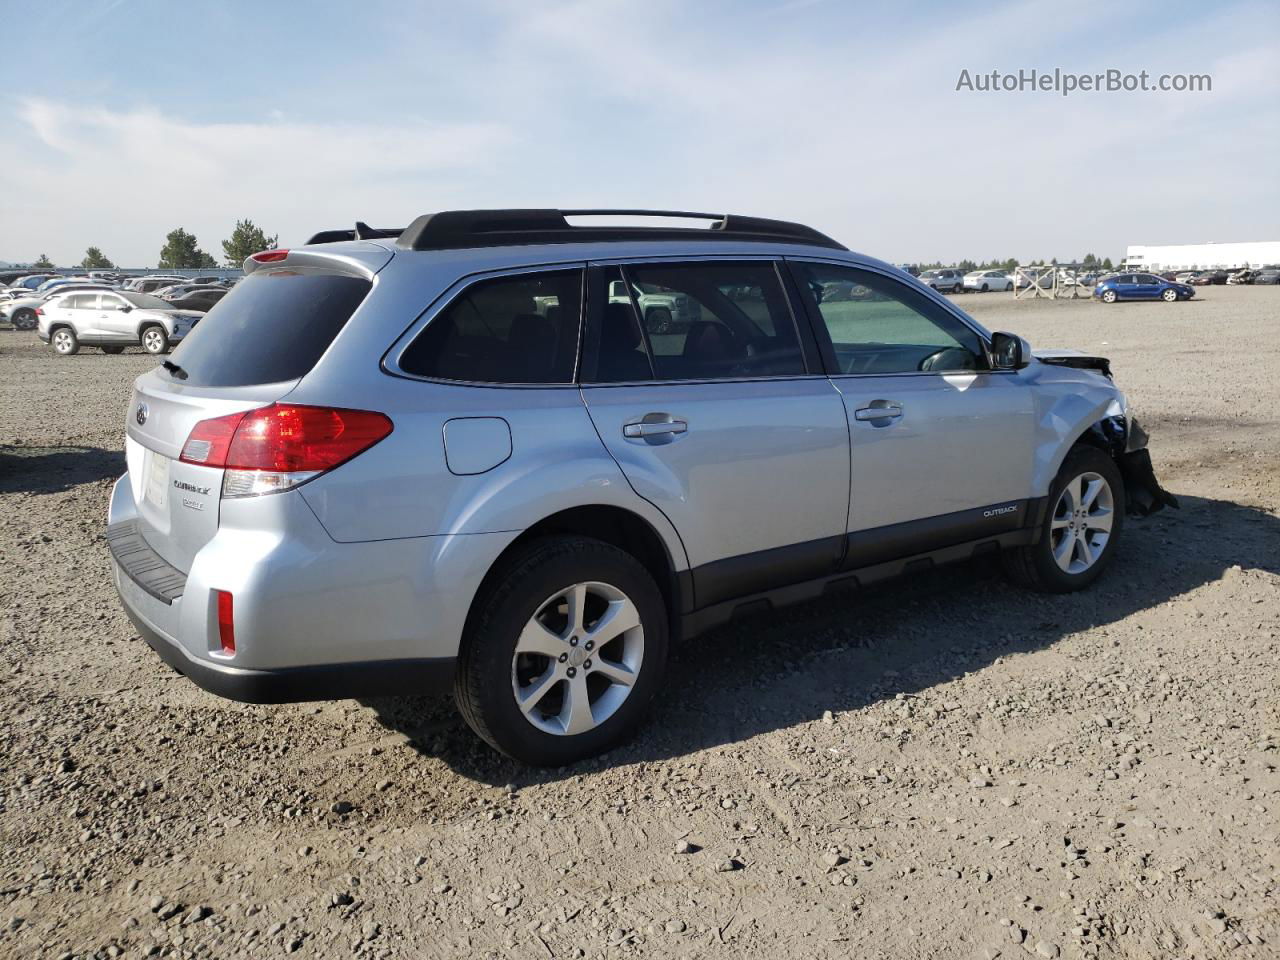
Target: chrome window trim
390, 362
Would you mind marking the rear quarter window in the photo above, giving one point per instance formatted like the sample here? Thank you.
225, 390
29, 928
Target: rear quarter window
273, 326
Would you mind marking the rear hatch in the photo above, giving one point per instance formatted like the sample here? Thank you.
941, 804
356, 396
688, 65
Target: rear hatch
250, 350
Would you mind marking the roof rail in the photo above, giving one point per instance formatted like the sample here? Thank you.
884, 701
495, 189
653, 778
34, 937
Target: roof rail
452, 229
362, 231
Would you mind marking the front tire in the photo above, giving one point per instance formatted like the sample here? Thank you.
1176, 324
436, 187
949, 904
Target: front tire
1169, 296
658, 320
154, 339
1108, 296
563, 652
1080, 530
25, 320
65, 342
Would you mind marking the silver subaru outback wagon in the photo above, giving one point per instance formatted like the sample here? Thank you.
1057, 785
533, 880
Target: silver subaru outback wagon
473, 454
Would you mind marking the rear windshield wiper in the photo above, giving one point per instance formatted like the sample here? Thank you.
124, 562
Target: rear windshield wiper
175, 371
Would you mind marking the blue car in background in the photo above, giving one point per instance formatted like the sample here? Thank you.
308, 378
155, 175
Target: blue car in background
1141, 286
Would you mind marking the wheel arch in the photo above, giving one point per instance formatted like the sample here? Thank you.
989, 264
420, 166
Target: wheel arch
1077, 415
615, 525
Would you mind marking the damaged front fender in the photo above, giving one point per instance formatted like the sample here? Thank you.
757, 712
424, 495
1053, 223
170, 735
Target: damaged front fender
1143, 493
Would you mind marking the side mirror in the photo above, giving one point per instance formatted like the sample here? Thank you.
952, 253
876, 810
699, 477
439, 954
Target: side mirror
126, 308
1009, 351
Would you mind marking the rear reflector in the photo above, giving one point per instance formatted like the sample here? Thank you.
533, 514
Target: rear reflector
277, 447
226, 622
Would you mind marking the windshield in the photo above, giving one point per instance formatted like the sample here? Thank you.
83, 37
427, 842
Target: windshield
146, 301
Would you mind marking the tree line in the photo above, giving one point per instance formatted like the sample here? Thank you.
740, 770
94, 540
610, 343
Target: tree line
1088, 262
182, 252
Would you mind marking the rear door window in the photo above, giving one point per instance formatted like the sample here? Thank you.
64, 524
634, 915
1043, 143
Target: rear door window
520, 329
274, 326
708, 320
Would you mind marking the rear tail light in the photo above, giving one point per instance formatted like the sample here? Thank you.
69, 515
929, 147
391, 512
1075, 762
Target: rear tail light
226, 623
281, 446
39, 311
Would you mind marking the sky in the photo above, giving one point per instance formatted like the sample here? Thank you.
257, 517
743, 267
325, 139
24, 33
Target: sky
123, 119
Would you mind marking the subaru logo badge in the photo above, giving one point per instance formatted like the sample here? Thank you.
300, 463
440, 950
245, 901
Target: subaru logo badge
141, 415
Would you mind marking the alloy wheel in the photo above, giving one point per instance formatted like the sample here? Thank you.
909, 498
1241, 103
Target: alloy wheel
577, 659
1081, 524
62, 341
153, 341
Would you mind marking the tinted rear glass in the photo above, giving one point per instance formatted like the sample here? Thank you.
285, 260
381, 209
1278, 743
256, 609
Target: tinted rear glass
272, 327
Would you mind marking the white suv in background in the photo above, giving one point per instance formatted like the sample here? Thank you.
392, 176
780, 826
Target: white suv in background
944, 281
112, 320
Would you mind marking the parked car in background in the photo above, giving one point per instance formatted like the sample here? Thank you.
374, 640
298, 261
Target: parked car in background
944, 281
1141, 286
984, 280
24, 311
202, 300
1267, 276
1043, 277
56, 283
112, 320
575, 531
1239, 277
1209, 277
909, 268
152, 283
180, 289
33, 280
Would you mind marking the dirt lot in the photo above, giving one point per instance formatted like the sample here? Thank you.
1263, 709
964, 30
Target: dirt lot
947, 768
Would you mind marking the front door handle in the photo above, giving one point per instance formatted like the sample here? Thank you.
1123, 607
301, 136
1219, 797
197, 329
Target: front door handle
654, 428
882, 410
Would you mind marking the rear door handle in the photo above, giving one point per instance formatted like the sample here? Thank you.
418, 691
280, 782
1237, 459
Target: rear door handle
659, 428
879, 410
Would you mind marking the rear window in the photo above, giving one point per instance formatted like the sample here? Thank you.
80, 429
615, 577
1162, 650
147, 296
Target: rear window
272, 327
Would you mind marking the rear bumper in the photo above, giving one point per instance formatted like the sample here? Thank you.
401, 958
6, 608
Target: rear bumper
314, 619
339, 681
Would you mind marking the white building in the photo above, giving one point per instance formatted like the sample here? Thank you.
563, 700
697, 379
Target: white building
1204, 256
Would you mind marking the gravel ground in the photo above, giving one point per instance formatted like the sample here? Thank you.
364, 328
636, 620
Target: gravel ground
947, 768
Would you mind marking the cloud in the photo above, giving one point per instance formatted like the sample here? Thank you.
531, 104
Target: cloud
122, 179
849, 121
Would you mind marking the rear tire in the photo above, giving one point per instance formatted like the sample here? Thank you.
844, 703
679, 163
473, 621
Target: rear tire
527, 659
154, 339
1080, 530
24, 320
65, 342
